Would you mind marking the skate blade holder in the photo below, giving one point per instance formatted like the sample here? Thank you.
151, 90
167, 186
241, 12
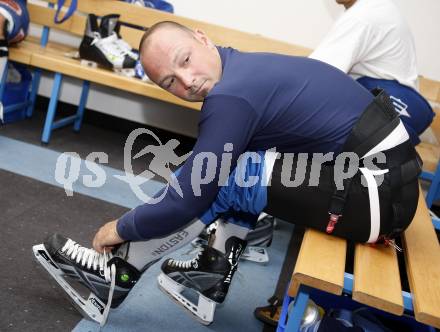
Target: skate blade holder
255, 254
88, 63
72, 55
127, 72
202, 312
91, 308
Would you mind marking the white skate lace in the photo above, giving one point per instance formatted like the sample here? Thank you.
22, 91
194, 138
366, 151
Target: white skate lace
188, 263
88, 258
109, 45
122, 44
92, 259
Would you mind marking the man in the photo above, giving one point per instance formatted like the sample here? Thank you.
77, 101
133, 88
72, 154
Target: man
372, 42
14, 23
252, 103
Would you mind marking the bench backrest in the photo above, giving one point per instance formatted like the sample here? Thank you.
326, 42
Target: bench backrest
146, 17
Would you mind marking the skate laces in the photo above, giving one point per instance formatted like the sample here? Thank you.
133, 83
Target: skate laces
188, 263
109, 45
89, 258
122, 44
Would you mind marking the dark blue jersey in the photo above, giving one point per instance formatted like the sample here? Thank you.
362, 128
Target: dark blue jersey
262, 101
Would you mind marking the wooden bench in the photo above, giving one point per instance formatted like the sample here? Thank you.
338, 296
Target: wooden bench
375, 281
430, 151
50, 56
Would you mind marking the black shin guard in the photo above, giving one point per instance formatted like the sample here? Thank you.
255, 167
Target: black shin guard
311, 206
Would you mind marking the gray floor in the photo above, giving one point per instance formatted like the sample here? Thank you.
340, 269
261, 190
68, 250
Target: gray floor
32, 208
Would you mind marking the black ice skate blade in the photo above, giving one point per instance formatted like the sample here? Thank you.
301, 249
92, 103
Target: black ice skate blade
193, 315
66, 291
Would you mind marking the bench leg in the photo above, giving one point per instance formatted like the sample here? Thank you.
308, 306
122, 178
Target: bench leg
51, 110
34, 90
299, 307
284, 309
82, 105
436, 222
297, 312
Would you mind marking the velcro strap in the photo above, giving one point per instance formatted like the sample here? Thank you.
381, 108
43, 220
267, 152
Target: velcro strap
411, 170
378, 137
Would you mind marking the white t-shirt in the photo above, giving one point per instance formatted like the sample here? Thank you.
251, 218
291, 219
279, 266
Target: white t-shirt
372, 39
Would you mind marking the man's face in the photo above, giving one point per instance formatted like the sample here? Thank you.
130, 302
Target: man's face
187, 65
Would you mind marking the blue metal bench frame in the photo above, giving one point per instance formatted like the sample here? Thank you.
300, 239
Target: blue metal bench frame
434, 188
302, 298
50, 124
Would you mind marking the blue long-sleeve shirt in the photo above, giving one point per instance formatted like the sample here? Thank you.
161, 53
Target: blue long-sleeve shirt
262, 101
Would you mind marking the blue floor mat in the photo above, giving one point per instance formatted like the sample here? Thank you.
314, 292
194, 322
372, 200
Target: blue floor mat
39, 163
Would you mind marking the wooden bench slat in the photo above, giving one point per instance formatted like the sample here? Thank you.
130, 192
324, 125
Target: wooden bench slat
146, 17
320, 263
377, 279
52, 58
45, 16
430, 89
430, 155
422, 255
76, 24
22, 52
435, 124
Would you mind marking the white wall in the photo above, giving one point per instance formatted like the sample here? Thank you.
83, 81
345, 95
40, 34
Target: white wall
299, 22
306, 22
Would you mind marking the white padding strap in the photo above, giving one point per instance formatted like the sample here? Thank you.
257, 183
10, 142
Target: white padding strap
373, 195
396, 137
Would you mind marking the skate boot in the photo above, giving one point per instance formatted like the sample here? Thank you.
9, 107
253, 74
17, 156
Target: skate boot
262, 235
95, 50
257, 239
109, 278
110, 27
209, 274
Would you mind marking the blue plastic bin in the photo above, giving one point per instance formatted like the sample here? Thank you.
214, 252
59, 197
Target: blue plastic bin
16, 93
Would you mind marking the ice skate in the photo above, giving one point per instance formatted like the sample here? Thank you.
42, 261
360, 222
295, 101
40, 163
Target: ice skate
109, 278
262, 234
110, 26
96, 50
209, 274
257, 239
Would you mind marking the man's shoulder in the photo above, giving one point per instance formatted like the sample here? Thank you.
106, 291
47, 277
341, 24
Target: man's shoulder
374, 13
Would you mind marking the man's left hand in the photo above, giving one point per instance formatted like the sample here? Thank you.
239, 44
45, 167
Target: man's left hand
106, 237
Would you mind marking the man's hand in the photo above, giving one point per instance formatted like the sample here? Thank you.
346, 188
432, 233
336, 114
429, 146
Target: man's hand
106, 237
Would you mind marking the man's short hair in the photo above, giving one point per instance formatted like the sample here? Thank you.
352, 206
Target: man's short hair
160, 25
